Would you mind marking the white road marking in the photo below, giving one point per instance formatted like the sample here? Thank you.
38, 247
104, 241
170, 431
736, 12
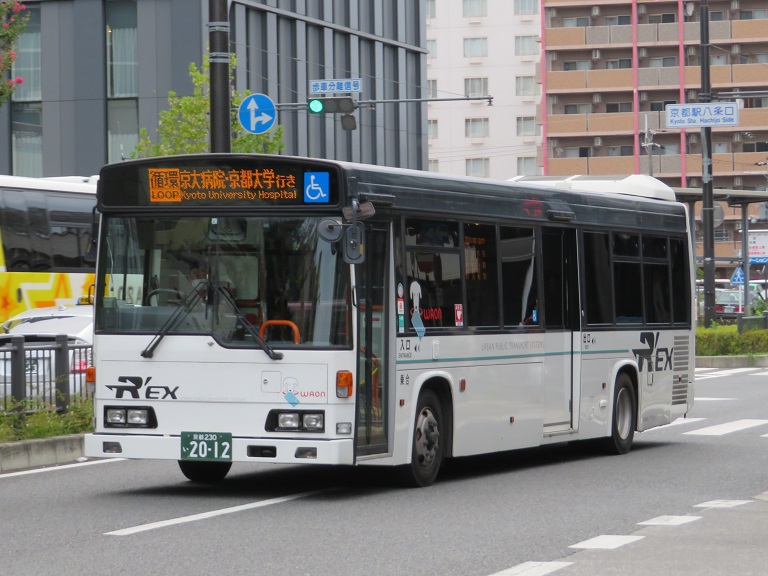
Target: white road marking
722, 503
533, 569
211, 514
669, 520
727, 428
607, 542
57, 468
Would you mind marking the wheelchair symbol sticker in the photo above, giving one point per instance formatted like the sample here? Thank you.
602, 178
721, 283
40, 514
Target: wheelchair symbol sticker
316, 185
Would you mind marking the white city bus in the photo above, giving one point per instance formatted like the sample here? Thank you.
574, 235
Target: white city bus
297, 310
45, 233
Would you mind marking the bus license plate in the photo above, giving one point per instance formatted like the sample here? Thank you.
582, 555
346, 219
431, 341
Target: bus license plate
216, 446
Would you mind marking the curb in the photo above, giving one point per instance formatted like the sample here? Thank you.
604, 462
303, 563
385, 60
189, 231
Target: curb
65, 449
40, 452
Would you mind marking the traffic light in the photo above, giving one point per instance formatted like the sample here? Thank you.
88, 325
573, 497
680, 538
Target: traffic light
343, 104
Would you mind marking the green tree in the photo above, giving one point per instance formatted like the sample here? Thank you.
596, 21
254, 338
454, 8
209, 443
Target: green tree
12, 23
184, 128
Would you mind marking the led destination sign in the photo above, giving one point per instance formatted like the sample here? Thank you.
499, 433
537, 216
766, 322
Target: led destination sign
205, 184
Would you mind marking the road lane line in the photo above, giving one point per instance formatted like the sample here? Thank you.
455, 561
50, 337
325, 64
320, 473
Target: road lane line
56, 468
211, 514
727, 428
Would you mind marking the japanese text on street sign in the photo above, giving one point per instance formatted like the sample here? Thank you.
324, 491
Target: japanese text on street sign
702, 114
332, 85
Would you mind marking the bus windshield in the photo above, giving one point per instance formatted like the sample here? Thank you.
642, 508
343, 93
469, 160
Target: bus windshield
226, 277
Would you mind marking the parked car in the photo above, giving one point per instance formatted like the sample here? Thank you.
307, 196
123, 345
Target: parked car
39, 327
729, 304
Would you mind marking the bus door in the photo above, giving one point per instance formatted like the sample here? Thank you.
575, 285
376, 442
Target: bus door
371, 287
561, 379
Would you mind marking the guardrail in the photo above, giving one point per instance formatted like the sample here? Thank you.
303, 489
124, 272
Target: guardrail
38, 375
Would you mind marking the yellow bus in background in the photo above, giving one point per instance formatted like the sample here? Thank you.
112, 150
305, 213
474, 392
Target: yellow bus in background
45, 233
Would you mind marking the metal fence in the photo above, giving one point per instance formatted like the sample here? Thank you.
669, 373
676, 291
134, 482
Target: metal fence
37, 375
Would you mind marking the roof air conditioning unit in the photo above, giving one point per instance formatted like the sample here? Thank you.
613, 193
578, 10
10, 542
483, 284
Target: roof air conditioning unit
641, 8
597, 98
691, 51
737, 181
643, 96
735, 48
598, 141
642, 53
734, 5
596, 54
595, 11
737, 137
691, 95
693, 138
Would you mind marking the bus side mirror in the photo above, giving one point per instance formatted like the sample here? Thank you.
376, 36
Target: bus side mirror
354, 243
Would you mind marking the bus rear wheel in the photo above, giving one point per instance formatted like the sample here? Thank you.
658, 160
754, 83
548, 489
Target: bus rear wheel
624, 417
206, 472
427, 449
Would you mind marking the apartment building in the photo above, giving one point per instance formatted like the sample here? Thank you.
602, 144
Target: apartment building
479, 48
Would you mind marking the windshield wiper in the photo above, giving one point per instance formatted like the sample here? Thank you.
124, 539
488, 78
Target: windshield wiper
250, 328
174, 319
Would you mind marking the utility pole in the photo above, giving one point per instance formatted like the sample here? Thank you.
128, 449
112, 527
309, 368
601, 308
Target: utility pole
218, 57
707, 209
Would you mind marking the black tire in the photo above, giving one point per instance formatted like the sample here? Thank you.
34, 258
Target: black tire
206, 472
427, 448
624, 420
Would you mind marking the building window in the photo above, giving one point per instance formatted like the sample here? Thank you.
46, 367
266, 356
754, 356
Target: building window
617, 20
475, 47
431, 9
431, 49
662, 18
431, 88
475, 87
620, 150
526, 46
526, 6
475, 8
476, 128
617, 63
581, 22
526, 126
582, 108
432, 129
526, 86
572, 65
526, 166
480, 167
615, 107
26, 101
122, 79
663, 62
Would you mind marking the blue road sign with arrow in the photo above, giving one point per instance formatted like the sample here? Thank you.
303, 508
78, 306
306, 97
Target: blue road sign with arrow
257, 113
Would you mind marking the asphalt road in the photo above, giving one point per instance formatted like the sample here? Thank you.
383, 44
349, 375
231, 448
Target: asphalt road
563, 509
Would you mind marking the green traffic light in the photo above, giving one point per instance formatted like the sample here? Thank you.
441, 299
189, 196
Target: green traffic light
316, 106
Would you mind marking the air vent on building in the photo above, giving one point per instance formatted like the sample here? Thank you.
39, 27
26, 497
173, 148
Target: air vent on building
597, 98
642, 53
598, 141
595, 11
596, 54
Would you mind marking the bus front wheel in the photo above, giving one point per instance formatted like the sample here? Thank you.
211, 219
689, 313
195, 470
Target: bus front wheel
204, 471
427, 449
624, 417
